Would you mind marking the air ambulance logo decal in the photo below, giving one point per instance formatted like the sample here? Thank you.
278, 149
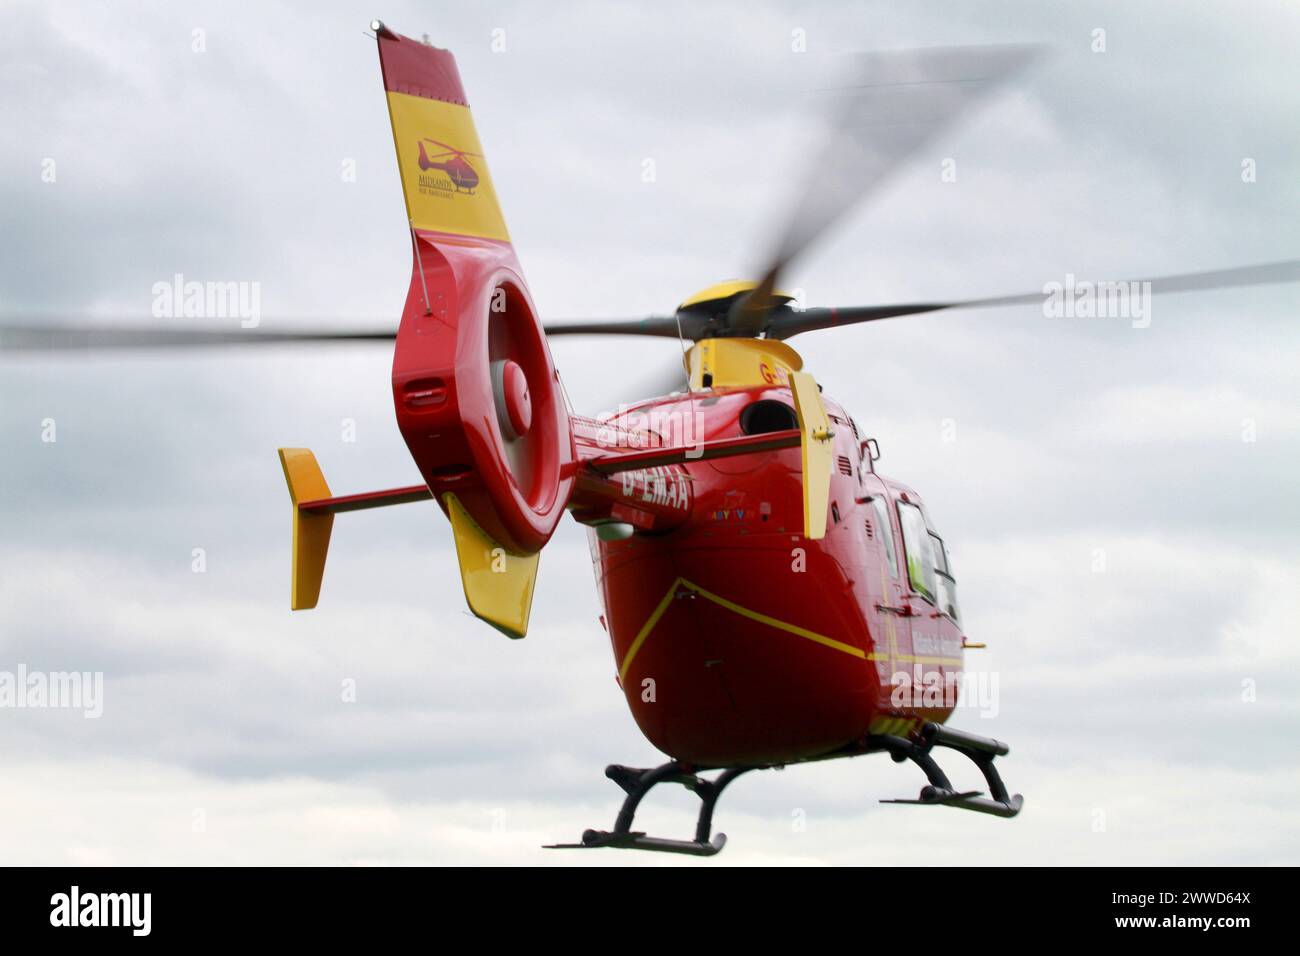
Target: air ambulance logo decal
445, 170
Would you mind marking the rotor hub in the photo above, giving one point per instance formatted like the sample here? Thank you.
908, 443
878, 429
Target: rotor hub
514, 406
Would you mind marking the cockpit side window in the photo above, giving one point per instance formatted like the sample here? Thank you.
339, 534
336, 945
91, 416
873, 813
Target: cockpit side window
919, 548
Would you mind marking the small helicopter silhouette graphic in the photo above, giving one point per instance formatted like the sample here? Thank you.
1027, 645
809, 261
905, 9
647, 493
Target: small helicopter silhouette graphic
452, 162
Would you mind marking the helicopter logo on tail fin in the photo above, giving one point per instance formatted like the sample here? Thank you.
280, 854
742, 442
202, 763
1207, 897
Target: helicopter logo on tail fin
451, 161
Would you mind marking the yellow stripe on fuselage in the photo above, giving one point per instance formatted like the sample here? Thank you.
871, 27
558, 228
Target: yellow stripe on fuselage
647, 628
795, 629
893, 726
773, 622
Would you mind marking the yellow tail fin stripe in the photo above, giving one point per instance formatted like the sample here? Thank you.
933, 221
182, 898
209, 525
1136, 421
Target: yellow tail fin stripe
450, 190
498, 585
311, 532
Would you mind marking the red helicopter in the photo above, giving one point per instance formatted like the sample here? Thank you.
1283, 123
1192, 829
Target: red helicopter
769, 597
763, 586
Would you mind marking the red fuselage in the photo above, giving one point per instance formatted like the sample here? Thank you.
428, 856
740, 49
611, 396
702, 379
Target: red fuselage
737, 640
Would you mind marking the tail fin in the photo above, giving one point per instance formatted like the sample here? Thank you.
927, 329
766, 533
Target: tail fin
311, 530
475, 390
445, 177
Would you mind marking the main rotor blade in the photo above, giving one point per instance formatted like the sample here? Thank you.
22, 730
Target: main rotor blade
792, 323
665, 326
24, 338
46, 338
896, 103
40, 338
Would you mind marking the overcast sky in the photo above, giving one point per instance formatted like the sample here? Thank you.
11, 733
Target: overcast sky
1120, 503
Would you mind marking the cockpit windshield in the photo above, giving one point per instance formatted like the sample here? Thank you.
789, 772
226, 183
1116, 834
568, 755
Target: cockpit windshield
947, 586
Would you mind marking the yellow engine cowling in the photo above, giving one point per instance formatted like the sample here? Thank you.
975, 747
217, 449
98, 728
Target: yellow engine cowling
717, 363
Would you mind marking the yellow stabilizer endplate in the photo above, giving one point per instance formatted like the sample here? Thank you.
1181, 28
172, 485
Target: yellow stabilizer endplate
498, 584
817, 447
311, 532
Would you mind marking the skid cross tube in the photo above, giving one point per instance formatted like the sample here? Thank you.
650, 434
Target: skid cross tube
637, 783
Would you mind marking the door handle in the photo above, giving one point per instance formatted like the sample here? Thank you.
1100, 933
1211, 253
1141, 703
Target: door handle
903, 611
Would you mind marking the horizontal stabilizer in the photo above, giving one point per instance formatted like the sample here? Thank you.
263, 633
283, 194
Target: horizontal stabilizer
367, 500
314, 509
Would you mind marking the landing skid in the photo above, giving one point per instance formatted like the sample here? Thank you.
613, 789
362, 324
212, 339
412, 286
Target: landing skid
637, 783
939, 792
